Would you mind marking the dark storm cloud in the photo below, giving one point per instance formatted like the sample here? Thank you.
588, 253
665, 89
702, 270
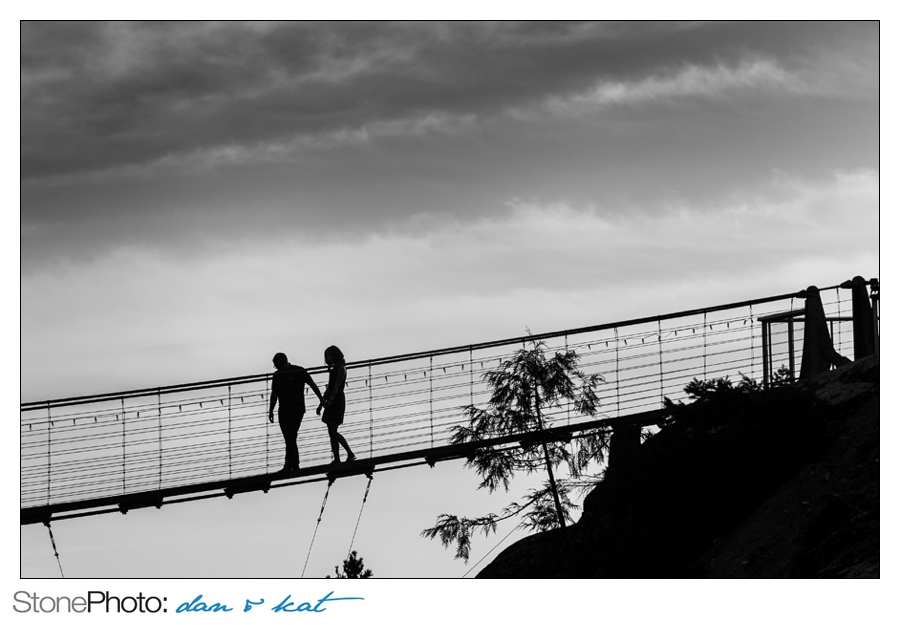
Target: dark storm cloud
170, 135
101, 95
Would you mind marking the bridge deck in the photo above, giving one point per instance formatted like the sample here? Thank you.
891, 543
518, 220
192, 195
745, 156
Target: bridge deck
264, 482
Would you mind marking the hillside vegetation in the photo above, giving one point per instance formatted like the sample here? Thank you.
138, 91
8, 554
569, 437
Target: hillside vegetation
740, 483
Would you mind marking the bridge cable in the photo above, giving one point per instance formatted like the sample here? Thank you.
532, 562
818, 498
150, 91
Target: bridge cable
229, 432
55, 552
265, 418
568, 404
431, 397
491, 550
770, 341
839, 323
704, 345
752, 374
365, 497
124, 451
618, 380
160, 428
659, 337
312, 542
49, 455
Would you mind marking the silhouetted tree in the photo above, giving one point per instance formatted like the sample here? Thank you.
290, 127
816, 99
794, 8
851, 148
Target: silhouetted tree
353, 569
781, 377
528, 392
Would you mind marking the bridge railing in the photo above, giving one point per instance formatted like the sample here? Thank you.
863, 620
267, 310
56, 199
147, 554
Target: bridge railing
85, 448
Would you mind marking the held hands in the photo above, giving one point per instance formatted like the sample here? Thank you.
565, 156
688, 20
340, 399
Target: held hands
323, 404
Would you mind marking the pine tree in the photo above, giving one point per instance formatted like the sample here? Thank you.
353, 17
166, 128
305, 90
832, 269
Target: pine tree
526, 390
353, 568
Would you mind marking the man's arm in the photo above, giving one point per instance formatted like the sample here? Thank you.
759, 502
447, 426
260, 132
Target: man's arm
272, 400
314, 387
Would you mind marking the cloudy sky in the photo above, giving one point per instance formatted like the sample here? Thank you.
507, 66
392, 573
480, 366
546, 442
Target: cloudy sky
197, 196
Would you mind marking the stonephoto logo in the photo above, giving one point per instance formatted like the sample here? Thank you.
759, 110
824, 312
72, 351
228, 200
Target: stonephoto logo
95, 601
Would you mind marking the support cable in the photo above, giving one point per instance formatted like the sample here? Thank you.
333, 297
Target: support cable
471, 379
159, 425
49, 455
229, 431
752, 375
55, 552
365, 497
705, 327
804, 332
659, 337
431, 397
315, 531
618, 381
840, 324
515, 527
569, 403
124, 448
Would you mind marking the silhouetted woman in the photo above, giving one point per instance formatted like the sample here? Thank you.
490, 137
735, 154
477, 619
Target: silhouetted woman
334, 402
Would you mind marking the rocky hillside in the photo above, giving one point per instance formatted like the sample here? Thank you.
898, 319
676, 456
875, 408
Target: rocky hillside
782, 483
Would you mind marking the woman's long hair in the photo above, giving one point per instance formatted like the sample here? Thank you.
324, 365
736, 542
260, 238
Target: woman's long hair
337, 356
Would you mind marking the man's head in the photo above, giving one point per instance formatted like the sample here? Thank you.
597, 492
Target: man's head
280, 361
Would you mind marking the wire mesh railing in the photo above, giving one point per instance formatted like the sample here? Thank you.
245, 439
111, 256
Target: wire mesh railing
86, 448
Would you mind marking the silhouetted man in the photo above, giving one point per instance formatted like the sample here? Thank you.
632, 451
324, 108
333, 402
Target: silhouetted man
288, 390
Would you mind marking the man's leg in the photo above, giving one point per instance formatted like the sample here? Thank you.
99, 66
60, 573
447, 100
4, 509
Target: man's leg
290, 425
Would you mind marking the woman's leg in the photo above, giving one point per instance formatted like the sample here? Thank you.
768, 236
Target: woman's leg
343, 441
332, 437
337, 439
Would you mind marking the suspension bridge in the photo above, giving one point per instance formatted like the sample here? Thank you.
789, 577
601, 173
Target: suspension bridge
115, 452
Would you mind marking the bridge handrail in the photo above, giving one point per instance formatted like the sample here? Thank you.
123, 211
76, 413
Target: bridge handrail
248, 379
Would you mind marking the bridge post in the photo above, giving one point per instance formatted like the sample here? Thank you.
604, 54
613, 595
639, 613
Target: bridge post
863, 317
819, 354
875, 296
623, 449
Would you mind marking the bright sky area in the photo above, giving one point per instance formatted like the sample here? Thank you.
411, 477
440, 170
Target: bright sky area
197, 196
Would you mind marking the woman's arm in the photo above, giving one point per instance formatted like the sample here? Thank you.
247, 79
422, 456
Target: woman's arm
336, 378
